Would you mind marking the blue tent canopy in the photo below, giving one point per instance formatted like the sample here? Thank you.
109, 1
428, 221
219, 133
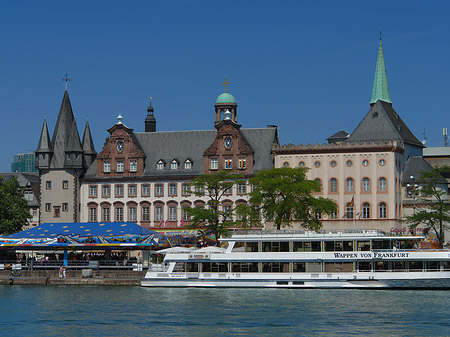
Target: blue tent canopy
82, 229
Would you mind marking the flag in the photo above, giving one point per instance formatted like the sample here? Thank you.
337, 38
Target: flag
160, 223
167, 223
182, 222
352, 203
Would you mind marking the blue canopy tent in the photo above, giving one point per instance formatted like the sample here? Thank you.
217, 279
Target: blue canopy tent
84, 236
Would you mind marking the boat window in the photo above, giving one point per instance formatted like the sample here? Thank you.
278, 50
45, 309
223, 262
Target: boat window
338, 267
215, 267
306, 246
298, 267
239, 247
329, 246
381, 266
433, 266
313, 267
364, 266
192, 267
275, 246
347, 246
275, 267
338, 246
363, 245
415, 265
179, 267
381, 244
244, 267
251, 246
447, 265
398, 265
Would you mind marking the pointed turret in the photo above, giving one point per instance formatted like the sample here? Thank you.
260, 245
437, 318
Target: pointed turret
150, 120
45, 149
89, 152
380, 89
65, 136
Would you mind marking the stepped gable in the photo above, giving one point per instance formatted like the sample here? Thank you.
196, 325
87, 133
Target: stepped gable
382, 122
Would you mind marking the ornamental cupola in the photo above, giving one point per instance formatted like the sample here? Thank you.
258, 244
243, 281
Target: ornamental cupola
150, 120
225, 102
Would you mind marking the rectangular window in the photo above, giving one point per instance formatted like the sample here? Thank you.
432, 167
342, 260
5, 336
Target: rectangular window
158, 213
146, 190
131, 190
200, 189
65, 184
160, 166
173, 165
241, 188
159, 190
106, 191
227, 212
119, 214
48, 207
28, 195
242, 163
65, 207
227, 191
186, 189
119, 191
120, 166
133, 166
92, 191
106, 167
105, 215
185, 214
172, 189
228, 164
48, 185
92, 214
145, 213
56, 211
214, 164
172, 213
132, 213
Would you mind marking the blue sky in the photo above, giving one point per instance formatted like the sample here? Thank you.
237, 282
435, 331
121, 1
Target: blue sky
306, 66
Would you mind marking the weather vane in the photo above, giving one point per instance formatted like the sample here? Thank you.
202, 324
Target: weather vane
66, 79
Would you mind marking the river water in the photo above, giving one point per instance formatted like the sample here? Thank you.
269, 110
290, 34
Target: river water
135, 311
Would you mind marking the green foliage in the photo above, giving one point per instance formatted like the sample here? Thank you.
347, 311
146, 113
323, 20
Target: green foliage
14, 211
212, 219
433, 212
284, 195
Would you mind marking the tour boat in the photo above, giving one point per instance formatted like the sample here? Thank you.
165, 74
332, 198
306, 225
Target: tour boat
292, 259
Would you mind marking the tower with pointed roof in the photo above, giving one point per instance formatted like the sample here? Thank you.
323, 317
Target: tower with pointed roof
150, 120
62, 162
380, 91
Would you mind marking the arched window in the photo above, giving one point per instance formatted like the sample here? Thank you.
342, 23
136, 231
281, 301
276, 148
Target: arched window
333, 185
349, 210
366, 210
320, 183
366, 184
382, 184
349, 185
173, 165
286, 164
160, 165
382, 210
188, 165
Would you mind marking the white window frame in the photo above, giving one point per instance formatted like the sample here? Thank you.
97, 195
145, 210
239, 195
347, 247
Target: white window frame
214, 163
132, 216
133, 166
172, 213
120, 166
107, 167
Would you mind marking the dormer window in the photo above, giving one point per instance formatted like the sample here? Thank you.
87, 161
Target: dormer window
160, 165
174, 165
188, 165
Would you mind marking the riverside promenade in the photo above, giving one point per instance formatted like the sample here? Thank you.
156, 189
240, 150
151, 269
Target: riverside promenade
73, 277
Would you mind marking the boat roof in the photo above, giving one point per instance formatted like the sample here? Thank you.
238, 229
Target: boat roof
296, 235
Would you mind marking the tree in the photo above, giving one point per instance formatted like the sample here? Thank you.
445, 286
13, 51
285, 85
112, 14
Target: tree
284, 195
213, 219
14, 211
434, 209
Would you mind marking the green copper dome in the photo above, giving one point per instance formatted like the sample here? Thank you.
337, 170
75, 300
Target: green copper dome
225, 98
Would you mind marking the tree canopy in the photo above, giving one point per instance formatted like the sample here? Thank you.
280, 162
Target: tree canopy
433, 211
215, 219
284, 195
14, 211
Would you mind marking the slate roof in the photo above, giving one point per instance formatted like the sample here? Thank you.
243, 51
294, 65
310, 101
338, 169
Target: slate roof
88, 144
182, 145
414, 167
44, 141
383, 123
340, 135
31, 178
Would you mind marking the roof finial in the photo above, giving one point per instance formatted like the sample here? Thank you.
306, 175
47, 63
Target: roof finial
66, 79
87, 117
380, 33
226, 83
45, 115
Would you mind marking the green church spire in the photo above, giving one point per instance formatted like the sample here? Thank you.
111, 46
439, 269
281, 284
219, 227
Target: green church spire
380, 89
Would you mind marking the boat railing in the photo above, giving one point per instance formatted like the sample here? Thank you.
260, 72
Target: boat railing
287, 232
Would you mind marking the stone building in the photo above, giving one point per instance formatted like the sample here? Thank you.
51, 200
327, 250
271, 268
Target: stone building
362, 171
144, 176
62, 161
